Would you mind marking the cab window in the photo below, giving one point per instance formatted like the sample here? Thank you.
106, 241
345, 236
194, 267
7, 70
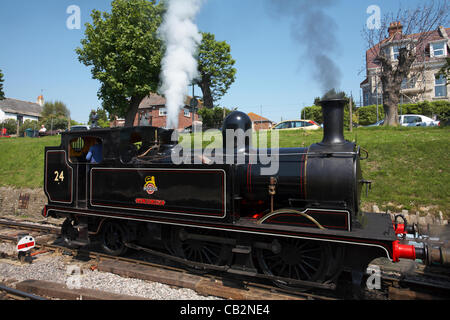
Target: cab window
86, 150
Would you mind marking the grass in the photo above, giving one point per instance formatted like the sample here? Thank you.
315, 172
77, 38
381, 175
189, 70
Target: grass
22, 161
409, 167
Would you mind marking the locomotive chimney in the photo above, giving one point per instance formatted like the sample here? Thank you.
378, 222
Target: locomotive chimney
333, 121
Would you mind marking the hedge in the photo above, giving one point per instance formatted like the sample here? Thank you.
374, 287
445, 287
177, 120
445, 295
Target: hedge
368, 114
440, 109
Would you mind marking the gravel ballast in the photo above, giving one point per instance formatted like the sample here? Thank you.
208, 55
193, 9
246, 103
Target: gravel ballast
61, 269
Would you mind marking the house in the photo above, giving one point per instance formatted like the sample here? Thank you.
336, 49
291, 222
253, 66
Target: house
259, 122
153, 112
21, 110
421, 86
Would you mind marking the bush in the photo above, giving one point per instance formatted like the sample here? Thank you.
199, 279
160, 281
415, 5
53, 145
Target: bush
368, 115
10, 125
59, 123
28, 124
313, 113
441, 109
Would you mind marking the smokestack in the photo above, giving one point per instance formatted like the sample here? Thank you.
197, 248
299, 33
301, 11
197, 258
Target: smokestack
333, 121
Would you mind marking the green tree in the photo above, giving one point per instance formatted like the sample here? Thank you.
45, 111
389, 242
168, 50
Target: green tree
55, 109
53, 123
55, 116
2, 94
213, 118
215, 66
124, 51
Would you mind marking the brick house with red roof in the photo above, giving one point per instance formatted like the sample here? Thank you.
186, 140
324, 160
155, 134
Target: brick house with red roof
152, 112
259, 122
423, 86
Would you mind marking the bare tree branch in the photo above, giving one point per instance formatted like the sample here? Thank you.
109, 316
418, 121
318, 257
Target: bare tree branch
408, 32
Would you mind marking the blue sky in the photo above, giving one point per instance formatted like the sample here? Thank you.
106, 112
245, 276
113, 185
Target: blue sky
37, 52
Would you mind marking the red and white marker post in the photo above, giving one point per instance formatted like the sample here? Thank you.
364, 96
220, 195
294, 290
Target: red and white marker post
24, 245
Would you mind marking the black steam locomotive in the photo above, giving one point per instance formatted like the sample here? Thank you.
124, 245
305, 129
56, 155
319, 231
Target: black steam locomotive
300, 226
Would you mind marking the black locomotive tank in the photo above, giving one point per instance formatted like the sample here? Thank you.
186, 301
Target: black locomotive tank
327, 175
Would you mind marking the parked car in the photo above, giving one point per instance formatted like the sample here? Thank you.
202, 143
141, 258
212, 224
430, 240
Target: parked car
414, 120
296, 124
411, 120
79, 128
376, 124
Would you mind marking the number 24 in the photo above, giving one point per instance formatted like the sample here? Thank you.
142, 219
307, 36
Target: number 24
59, 176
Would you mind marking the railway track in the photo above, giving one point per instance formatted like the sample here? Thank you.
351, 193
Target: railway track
7, 293
421, 284
206, 284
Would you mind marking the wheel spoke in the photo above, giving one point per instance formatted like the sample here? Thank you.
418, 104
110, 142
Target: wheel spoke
314, 268
308, 276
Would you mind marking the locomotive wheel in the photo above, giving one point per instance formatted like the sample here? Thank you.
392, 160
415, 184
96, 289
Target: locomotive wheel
113, 239
199, 250
298, 259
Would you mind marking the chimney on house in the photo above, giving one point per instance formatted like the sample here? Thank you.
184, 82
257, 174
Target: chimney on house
394, 28
40, 100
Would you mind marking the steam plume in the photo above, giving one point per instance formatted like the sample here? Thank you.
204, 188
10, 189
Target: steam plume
315, 30
179, 66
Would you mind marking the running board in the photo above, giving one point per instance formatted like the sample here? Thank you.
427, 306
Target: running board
198, 265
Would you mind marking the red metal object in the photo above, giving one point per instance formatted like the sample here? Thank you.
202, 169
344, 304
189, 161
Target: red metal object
257, 215
25, 245
44, 212
400, 228
404, 251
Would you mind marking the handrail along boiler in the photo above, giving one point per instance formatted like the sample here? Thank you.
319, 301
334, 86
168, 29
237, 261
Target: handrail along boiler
300, 226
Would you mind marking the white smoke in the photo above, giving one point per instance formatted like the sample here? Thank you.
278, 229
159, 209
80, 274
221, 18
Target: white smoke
2, 115
179, 66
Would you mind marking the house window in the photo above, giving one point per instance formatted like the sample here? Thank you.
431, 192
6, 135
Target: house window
438, 49
187, 113
162, 112
396, 51
409, 83
440, 86
366, 97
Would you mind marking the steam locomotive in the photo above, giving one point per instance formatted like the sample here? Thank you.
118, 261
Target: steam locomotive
299, 227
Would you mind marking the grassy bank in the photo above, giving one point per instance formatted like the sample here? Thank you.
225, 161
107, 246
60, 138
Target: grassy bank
22, 161
409, 167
